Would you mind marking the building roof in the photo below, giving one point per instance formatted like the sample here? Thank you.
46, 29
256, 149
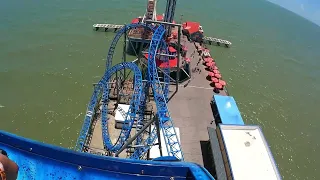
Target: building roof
248, 153
159, 18
135, 20
119, 116
190, 26
172, 62
228, 110
172, 49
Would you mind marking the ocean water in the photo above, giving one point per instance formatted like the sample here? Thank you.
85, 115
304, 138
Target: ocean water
50, 56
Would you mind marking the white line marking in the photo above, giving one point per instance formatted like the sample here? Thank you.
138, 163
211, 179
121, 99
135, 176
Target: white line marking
196, 87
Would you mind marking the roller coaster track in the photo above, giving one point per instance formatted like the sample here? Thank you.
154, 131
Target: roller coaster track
143, 98
166, 124
166, 70
88, 117
118, 36
139, 152
169, 14
170, 10
125, 131
133, 109
116, 40
102, 87
138, 101
142, 108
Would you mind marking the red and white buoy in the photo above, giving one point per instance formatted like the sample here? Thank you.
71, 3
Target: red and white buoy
211, 74
222, 82
208, 64
214, 80
217, 76
218, 85
208, 59
216, 71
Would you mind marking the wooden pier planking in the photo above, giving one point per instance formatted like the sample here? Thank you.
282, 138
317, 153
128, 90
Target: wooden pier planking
206, 39
107, 26
210, 40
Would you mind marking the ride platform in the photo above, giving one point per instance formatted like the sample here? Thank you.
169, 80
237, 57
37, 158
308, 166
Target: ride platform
211, 40
107, 26
94, 142
186, 105
199, 111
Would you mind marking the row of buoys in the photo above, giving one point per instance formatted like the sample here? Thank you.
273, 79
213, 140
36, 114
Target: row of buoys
214, 73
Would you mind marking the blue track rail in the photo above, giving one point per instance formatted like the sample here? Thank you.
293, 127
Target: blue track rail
164, 49
142, 107
138, 100
170, 10
169, 14
133, 109
166, 124
118, 36
88, 118
102, 87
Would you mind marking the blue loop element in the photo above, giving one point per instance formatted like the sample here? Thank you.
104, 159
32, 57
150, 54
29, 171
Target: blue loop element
118, 36
133, 109
138, 100
166, 124
103, 87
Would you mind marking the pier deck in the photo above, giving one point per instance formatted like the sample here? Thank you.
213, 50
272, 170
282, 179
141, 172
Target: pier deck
107, 26
191, 113
206, 39
189, 108
94, 143
210, 40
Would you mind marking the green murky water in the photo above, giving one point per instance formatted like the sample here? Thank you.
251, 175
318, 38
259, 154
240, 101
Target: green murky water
49, 58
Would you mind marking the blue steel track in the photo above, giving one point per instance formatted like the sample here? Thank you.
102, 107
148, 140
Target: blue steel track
138, 100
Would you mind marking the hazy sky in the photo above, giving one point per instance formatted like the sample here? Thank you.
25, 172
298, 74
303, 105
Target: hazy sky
310, 9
